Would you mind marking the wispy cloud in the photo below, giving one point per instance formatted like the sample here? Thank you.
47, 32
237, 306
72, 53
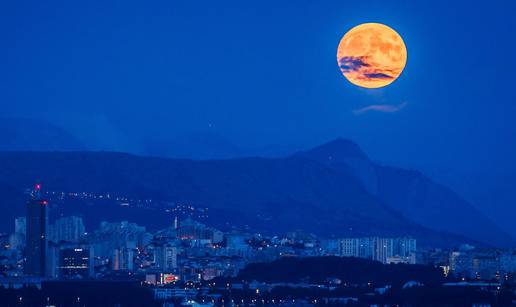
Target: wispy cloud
385, 108
377, 76
349, 63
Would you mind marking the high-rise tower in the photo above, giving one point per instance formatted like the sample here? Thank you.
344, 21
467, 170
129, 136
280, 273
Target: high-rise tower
36, 241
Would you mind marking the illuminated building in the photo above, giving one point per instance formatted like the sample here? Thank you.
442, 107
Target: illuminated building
461, 263
75, 262
192, 230
17, 239
384, 248
52, 260
350, 247
404, 246
397, 259
36, 241
69, 229
400, 249
508, 262
168, 278
165, 257
116, 236
366, 248
123, 259
482, 263
486, 265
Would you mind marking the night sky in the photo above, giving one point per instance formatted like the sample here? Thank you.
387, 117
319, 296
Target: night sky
261, 73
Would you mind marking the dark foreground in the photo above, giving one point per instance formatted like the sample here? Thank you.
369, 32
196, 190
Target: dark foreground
290, 281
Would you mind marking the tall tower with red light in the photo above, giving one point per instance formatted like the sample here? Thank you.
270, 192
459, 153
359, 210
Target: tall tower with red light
37, 237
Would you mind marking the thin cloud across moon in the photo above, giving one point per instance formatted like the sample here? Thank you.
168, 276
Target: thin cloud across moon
371, 55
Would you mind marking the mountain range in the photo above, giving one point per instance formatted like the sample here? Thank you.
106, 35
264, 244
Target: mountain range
35, 135
331, 190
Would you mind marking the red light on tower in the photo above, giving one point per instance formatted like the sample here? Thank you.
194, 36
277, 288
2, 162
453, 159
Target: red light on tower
38, 187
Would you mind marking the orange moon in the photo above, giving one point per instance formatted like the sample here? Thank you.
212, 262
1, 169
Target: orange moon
371, 55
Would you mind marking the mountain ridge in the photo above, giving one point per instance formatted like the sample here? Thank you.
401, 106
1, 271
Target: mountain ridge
295, 192
410, 192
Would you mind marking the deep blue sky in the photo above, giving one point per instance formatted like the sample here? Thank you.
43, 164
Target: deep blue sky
264, 72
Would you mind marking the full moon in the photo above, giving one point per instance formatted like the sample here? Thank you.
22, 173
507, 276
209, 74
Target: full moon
371, 55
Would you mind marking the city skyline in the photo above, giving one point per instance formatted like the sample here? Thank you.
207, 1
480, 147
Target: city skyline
188, 258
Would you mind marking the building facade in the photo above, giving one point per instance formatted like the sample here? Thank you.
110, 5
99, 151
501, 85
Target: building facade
37, 239
75, 262
68, 229
379, 248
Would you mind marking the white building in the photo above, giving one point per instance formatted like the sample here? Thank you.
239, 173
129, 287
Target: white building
377, 248
165, 257
69, 229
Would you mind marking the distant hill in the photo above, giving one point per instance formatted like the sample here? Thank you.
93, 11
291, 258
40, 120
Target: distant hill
410, 192
343, 197
199, 146
35, 135
278, 194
